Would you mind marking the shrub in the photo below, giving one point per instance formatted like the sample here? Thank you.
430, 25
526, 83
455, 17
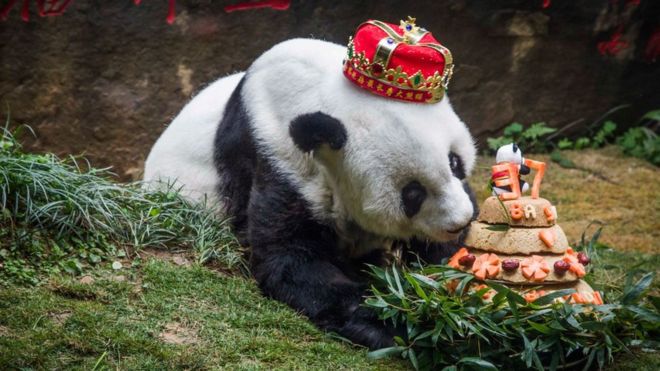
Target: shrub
641, 143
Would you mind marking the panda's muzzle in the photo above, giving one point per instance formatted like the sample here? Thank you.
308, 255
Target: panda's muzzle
459, 230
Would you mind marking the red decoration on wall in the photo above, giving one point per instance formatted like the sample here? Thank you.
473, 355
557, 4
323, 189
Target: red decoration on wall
171, 14
652, 50
46, 8
614, 45
274, 4
49, 8
546, 4
4, 12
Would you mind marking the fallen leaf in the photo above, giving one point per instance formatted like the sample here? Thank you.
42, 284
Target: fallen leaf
86, 280
120, 278
180, 260
175, 333
60, 318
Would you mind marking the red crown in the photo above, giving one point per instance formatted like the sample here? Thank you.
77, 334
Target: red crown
403, 62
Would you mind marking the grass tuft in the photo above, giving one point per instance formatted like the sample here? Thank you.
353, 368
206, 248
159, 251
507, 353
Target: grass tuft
56, 216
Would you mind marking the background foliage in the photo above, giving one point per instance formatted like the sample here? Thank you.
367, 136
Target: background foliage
640, 141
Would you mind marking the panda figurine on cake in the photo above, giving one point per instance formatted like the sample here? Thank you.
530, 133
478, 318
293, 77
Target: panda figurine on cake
510, 165
324, 159
510, 153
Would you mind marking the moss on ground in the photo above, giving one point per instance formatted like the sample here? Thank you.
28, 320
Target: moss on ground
622, 192
163, 316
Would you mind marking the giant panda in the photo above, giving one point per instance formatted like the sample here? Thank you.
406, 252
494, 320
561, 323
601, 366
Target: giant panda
320, 177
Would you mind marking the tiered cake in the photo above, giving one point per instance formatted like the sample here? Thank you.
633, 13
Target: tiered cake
516, 241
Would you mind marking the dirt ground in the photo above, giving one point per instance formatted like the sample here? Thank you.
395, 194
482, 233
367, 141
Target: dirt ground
621, 192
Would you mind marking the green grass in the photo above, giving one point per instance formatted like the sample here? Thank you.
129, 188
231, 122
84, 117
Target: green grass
56, 216
69, 325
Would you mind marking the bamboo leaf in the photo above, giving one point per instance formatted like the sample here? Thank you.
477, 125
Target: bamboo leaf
386, 352
548, 298
633, 294
418, 289
477, 363
645, 314
426, 281
498, 227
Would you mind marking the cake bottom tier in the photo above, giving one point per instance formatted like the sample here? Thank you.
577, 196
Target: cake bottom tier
583, 294
518, 269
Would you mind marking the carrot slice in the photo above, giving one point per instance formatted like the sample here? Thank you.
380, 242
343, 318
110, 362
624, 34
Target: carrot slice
535, 268
548, 237
598, 300
578, 269
453, 262
549, 215
577, 298
486, 266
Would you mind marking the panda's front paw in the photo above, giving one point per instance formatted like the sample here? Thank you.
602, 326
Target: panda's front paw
365, 329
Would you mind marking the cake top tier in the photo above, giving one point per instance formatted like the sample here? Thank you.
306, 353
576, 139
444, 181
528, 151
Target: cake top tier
520, 212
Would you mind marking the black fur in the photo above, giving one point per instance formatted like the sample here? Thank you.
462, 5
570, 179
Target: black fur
311, 130
295, 258
235, 158
412, 197
456, 165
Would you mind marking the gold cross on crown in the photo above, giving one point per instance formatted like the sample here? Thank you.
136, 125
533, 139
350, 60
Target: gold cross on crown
408, 26
411, 32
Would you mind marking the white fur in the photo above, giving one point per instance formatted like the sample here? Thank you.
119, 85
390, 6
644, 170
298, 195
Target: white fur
390, 143
183, 155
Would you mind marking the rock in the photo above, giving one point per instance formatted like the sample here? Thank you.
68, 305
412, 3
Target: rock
483, 116
519, 23
466, 77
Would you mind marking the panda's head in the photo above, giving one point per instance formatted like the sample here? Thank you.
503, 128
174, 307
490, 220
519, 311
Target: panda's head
396, 169
509, 153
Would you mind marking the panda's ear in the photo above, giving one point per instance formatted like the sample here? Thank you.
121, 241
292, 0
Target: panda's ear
311, 130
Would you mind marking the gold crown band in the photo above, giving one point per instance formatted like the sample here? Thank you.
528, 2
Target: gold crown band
384, 51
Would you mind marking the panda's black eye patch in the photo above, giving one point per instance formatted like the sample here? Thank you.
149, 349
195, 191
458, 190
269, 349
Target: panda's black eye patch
412, 196
456, 165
